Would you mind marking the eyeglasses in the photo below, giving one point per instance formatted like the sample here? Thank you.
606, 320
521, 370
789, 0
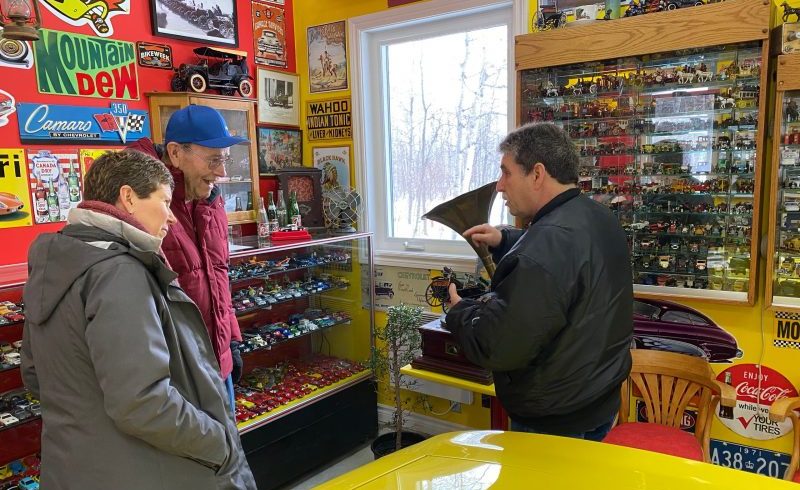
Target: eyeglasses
212, 162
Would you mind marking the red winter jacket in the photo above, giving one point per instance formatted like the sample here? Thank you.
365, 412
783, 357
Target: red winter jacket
197, 249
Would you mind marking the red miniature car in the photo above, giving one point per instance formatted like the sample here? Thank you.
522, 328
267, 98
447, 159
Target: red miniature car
9, 203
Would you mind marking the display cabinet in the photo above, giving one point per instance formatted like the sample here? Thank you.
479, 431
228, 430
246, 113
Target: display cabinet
307, 333
20, 413
240, 185
783, 283
668, 124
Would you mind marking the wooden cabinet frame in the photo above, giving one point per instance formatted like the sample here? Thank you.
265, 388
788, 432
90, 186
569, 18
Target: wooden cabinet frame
220, 102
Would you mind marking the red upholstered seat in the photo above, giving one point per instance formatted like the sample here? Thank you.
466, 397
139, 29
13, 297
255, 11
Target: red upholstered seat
657, 438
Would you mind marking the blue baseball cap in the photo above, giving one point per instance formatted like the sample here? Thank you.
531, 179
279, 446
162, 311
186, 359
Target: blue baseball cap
201, 125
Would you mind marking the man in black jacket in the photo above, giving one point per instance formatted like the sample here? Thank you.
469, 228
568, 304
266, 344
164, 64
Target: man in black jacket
557, 326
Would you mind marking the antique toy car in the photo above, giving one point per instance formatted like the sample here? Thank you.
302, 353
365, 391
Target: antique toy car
218, 68
669, 326
7, 419
9, 203
549, 17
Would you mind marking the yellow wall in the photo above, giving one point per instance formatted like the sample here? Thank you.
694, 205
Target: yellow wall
310, 13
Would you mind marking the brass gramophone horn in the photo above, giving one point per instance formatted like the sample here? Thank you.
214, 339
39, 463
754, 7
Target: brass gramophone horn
464, 212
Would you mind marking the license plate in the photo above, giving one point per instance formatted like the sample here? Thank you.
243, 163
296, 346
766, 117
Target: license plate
747, 458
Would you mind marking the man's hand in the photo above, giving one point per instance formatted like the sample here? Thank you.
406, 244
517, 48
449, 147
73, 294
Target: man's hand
453, 293
484, 233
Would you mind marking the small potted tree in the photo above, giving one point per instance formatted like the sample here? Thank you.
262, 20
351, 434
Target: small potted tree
396, 345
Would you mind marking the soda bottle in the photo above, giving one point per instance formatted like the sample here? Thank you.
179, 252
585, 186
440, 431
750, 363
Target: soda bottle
73, 183
249, 201
238, 204
282, 219
52, 202
294, 211
272, 214
263, 224
41, 203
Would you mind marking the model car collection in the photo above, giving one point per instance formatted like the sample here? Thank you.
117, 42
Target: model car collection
265, 336
11, 313
264, 390
260, 269
263, 297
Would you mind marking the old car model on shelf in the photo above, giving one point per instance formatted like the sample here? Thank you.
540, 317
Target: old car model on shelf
218, 68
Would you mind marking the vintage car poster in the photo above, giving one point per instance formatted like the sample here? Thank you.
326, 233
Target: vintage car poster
327, 57
56, 183
335, 165
88, 156
97, 14
269, 34
278, 98
329, 119
7, 107
395, 285
15, 202
85, 66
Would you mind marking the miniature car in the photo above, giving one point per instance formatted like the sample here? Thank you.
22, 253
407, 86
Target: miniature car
669, 326
384, 291
28, 483
675, 4
7, 419
228, 75
9, 203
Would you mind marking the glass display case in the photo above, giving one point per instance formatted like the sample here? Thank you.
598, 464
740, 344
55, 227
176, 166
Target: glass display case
240, 185
307, 322
671, 142
783, 285
20, 412
304, 327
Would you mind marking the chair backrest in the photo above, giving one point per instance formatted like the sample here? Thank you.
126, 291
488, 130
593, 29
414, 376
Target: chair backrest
780, 411
667, 383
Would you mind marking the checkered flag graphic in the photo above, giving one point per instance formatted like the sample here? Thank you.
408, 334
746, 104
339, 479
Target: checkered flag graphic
790, 344
135, 123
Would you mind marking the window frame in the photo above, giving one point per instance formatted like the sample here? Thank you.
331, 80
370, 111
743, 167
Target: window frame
407, 23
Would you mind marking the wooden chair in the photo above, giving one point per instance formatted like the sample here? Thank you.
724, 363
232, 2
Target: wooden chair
667, 383
780, 411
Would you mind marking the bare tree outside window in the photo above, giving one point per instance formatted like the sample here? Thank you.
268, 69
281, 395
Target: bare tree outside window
447, 111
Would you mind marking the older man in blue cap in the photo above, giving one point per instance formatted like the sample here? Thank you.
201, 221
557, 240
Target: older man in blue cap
197, 151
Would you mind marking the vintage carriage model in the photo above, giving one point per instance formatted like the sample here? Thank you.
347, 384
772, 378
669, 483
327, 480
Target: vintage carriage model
549, 17
219, 68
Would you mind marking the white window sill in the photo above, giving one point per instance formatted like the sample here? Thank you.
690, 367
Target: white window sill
420, 260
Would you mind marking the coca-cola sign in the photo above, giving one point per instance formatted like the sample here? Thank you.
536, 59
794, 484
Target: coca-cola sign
757, 388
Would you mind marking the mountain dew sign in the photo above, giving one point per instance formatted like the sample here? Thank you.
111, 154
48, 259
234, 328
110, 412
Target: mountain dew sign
87, 66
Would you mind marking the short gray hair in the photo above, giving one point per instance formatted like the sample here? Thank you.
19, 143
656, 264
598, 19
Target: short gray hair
114, 169
545, 143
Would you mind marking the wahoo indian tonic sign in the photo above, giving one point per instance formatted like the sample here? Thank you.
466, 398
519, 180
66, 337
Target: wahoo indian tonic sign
329, 120
87, 66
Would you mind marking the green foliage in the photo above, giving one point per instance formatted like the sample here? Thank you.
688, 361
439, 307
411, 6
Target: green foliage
396, 346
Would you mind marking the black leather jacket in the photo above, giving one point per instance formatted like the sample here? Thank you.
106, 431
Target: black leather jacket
557, 327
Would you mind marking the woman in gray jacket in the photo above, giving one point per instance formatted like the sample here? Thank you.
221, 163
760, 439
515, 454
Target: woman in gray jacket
117, 353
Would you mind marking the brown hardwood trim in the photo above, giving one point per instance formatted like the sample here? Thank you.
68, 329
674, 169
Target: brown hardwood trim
714, 24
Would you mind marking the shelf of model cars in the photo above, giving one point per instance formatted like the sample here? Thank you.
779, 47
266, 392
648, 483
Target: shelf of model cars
20, 471
267, 394
234, 181
18, 407
273, 334
11, 313
267, 268
265, 300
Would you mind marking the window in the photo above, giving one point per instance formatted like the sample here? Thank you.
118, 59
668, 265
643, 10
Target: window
432, 100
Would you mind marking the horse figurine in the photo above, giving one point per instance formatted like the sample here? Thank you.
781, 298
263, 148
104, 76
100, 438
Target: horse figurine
788, 10
685, 76
704, 76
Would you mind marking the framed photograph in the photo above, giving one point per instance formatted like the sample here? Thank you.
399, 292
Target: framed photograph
277, 98
278, 149
327, 57
334, 161
209, 22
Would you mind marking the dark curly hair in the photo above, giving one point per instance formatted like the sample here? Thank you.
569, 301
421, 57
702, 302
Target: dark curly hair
114, 169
